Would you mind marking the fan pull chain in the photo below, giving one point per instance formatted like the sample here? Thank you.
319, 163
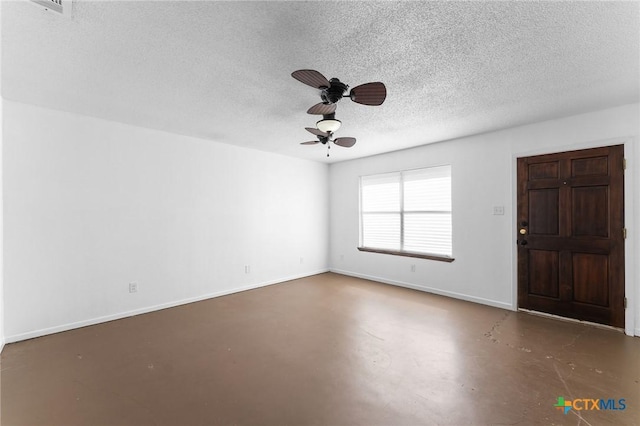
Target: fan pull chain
328, 148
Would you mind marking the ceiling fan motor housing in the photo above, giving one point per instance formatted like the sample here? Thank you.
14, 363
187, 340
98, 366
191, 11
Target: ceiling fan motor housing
334, 92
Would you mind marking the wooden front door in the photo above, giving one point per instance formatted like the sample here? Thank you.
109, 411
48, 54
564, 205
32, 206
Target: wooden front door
570, 234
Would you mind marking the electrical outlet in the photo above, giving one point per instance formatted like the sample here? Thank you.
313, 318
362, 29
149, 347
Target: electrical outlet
342, 258
301, 260
247, 269
133, 287
413, 268
498, 210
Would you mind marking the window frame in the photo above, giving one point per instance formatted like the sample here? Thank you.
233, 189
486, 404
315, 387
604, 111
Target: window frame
402, 212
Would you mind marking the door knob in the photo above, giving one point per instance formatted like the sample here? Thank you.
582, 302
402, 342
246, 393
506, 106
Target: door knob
523, 242
523, 231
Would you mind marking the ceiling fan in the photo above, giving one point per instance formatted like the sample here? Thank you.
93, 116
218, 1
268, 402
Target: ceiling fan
331, 91
326, 137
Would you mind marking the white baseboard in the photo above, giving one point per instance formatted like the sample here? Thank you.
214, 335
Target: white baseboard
1, 345
454, 295
637, 332
70, 326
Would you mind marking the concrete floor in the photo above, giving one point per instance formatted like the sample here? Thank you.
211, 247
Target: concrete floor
323, 350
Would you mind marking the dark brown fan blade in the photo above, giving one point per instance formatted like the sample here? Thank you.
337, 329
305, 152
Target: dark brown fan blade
310, 143
346, 142
322, 109
311, 78
369, 94
316, 132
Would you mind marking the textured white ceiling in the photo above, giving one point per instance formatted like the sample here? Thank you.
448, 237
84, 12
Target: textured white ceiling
221, 70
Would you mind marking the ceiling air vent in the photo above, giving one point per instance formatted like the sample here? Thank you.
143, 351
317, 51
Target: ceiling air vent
62, 7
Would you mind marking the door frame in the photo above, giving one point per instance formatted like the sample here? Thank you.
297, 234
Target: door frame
631, 188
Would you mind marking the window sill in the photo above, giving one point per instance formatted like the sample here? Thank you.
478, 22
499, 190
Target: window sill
437, 257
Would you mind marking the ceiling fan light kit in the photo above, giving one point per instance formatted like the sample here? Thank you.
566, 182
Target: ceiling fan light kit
329, 124
331, 91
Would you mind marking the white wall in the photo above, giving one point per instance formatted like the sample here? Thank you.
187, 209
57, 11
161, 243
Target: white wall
91, 205
1, 199
2, 339
483, 169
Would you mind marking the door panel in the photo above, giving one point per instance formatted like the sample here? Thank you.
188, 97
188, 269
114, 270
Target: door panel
543, 171
590, 283
570, 234
543, 211
544, 276
594, 166
590, 211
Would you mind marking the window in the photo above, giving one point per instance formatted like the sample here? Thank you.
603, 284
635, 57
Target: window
407, 213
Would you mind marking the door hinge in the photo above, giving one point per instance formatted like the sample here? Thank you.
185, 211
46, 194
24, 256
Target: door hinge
625, 303
624, 164
624, 233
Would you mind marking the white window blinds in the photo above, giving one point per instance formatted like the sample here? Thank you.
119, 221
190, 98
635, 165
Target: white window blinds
407, 211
